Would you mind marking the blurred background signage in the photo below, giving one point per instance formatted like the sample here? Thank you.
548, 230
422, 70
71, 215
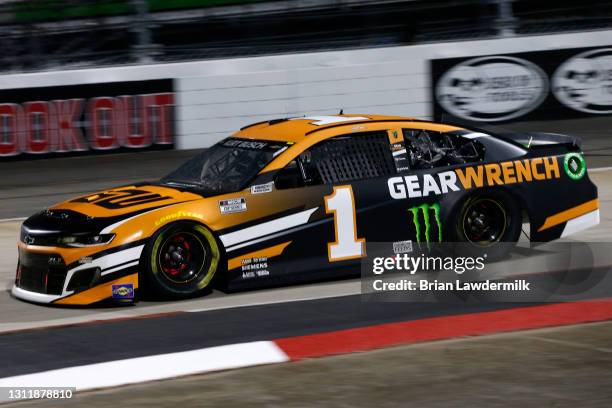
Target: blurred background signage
77, 119
540, 85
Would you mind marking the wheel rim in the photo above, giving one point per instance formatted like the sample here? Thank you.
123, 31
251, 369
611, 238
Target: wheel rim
182, 257
484, 222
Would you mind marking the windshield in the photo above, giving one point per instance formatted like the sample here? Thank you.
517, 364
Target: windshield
225, 167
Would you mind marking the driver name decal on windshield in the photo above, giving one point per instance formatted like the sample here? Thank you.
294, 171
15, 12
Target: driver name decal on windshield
492, 174
245, 144
233, 205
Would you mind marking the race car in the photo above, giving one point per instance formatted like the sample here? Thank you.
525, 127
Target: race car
299, 199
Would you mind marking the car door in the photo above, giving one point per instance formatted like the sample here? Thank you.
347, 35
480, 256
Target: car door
347, 176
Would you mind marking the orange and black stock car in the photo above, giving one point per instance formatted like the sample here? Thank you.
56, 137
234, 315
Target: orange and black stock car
299, 199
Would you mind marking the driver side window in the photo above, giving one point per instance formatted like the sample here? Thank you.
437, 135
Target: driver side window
299, 172
427, 149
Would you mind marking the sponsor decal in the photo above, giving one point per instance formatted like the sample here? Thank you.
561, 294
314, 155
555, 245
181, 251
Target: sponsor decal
255, 267
262, 188
178, 215
117, 199
402, 247
232, 205
492, 88
400, 156
584, 82
85, 260
430, 213
574, 166
123, 291
489, 175
86, 118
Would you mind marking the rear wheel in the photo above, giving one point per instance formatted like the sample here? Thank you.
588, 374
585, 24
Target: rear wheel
489, 223
181, 260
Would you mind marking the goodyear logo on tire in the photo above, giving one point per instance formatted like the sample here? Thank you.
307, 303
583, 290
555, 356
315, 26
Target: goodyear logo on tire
430, 215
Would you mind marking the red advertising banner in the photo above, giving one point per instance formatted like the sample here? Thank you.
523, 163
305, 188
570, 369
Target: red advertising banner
81, 119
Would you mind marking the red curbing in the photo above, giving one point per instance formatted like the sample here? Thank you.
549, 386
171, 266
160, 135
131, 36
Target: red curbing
439, 328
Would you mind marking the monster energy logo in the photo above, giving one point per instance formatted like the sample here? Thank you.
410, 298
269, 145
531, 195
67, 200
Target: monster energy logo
427, 210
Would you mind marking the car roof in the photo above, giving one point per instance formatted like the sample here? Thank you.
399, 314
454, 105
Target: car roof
297, 129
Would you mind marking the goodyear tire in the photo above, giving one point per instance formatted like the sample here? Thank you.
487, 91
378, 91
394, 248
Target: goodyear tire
488, 223
181, 260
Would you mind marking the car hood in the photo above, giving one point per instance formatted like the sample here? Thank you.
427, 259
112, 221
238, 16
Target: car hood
93, 212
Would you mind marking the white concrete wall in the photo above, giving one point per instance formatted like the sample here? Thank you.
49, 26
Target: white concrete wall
212, 107
214, 98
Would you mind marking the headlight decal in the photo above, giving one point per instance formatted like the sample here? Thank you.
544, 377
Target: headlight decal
80, 241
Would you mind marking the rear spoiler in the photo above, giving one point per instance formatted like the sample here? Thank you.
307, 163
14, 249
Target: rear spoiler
535, 140
529, 140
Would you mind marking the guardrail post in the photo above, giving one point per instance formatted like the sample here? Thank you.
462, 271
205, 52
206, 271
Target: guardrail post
143, 49
505, 21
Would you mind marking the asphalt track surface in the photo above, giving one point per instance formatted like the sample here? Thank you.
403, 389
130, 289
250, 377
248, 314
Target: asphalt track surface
41, 350
25, 187
554, 367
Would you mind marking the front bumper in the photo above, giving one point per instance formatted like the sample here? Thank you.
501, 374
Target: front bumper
91, 296
44, 277
33, 297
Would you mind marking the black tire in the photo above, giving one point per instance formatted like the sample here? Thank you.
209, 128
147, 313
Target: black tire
181, 260
487, 223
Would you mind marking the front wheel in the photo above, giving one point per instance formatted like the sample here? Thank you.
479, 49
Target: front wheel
181, 260
488, 223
